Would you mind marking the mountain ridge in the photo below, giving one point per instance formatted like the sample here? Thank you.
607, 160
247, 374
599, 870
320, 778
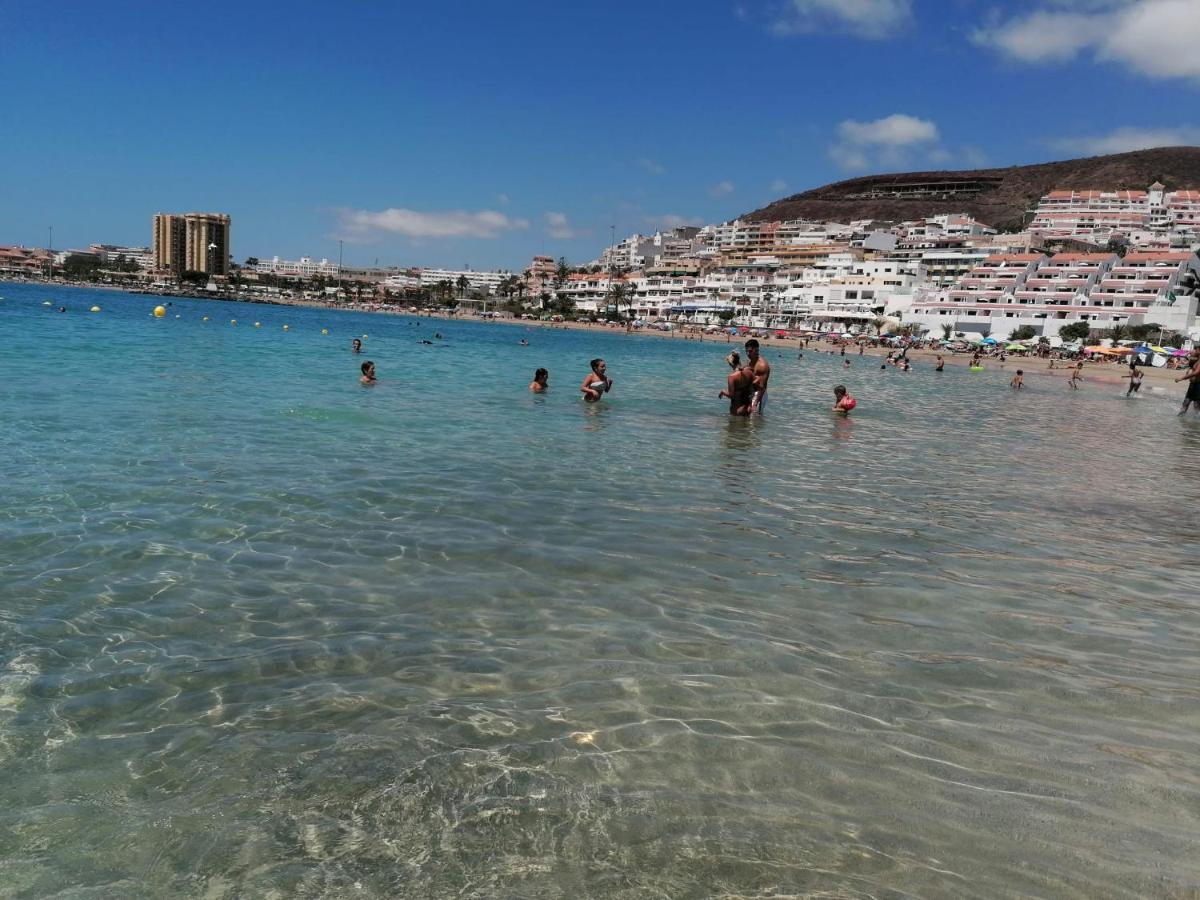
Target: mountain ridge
1000, 197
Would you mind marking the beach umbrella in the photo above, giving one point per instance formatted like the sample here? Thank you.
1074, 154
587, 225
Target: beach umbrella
1162, 350
989, 340
1015, 347
1181, 353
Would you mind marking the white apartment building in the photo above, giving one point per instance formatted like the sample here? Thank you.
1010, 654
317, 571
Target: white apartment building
304, 267
1153, 217
110, 253
487, 281
402, 281
1008, 291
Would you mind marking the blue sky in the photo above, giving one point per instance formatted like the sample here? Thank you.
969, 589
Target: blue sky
481, 132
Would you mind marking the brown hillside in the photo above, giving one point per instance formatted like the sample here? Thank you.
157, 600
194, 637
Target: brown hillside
998, 197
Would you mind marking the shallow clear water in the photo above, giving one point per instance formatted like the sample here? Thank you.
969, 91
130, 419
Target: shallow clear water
265, 632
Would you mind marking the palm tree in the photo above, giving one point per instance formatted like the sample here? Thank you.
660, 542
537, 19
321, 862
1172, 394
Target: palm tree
947, 330
462, 285
619, 294
1117, 333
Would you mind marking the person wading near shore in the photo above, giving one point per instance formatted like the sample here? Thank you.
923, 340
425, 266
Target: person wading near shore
541, 381
1135, 379
1193, 378
739, 388
356, 346
941, 364
761, 370
1076, 376
596, 383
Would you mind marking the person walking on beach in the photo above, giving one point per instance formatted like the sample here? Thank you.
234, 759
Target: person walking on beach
541, 381
1135, 379
596, 383
368, 372
761, 370
1192, 376
1076, 376
1018, 381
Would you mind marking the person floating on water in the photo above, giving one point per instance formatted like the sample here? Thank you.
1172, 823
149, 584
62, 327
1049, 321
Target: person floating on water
739, 390
1135, 379
541, 381
1192, 376
842, 401
1018, 380
356, 346
596, 383
368, 373
1076, 376
762, 374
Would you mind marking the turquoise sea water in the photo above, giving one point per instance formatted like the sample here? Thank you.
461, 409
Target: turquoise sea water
266, 632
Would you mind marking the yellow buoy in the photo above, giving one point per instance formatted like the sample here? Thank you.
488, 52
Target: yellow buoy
95, 309
233, 321
364, 337
258, 324
159, 312
204, 319
178, 316
285, 328
324, 331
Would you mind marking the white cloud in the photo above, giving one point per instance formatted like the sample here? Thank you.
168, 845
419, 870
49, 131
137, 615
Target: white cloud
778, 185
559, 226
1155, 38
502, 199
896, 130
1122, 140
721, 189
975, 157
364, 224
872, 19
667, 221
888, 141
651, 166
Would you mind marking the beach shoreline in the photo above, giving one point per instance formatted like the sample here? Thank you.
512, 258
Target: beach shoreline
1095, 372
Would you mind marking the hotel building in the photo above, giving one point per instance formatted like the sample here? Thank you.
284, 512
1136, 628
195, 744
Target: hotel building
195, 242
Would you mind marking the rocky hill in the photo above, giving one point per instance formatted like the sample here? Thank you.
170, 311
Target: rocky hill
999, 197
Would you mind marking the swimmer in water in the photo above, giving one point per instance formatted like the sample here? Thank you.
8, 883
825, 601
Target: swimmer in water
739, 390
523, 342
846, 363
438, 335
842, 401
541, 381
368, 373
1018, 381
734, 360
430, 343
596, 383
356, 346
941, 364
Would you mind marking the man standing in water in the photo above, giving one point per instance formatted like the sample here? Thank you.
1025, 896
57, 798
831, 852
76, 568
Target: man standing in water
760, 369
1193, 378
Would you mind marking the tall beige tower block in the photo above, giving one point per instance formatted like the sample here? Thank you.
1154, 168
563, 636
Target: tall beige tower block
195, 242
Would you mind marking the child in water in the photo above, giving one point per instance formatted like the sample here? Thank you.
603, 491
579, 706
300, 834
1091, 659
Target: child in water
842, 401
1018, 380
